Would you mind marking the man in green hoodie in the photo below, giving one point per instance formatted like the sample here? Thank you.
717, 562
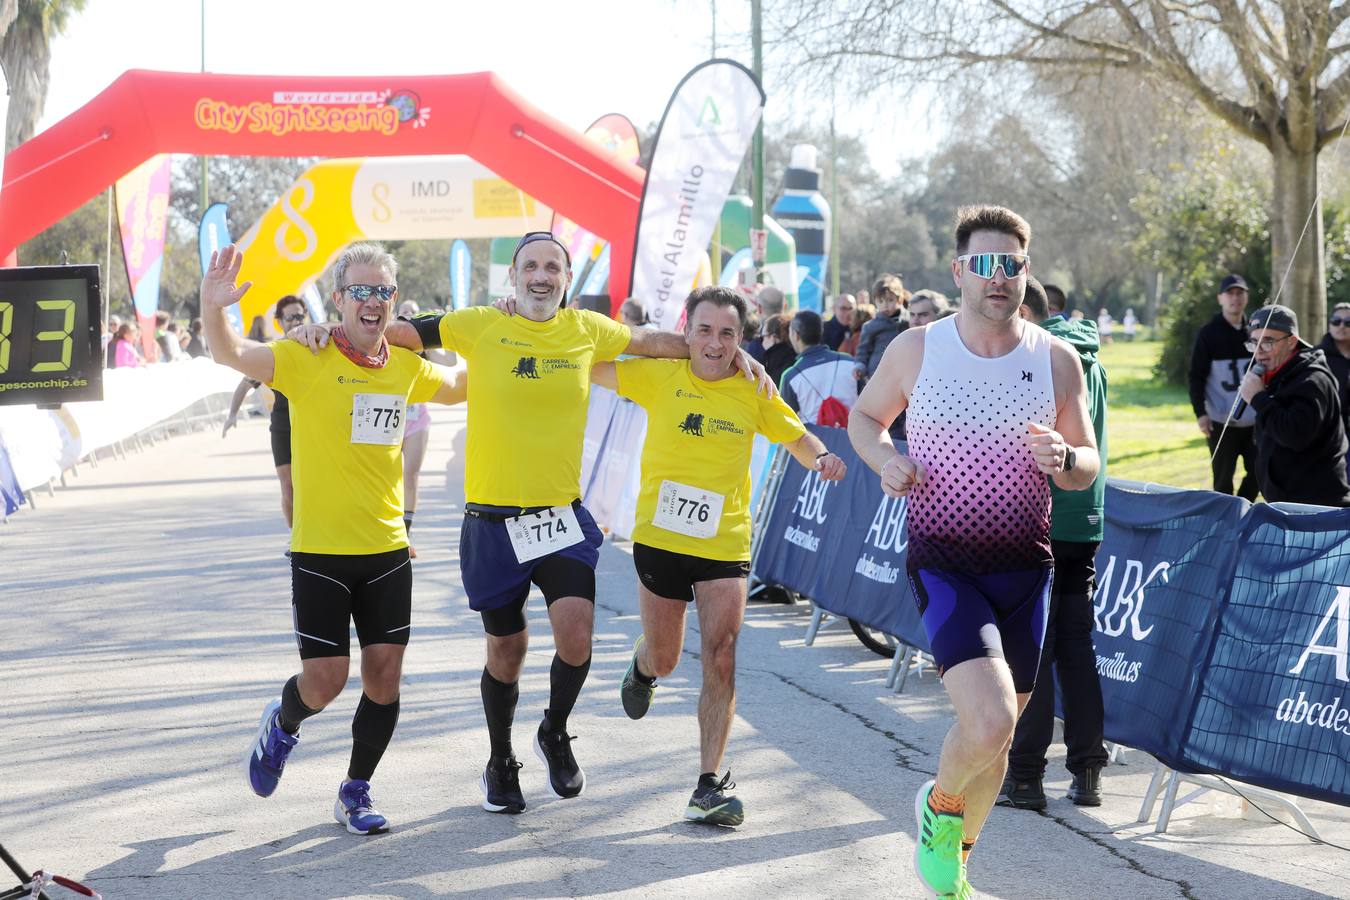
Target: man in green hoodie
1076, 528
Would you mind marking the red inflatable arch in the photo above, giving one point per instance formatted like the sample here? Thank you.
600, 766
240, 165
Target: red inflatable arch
143, 113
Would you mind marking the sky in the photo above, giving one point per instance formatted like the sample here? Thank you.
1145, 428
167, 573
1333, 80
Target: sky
576, 60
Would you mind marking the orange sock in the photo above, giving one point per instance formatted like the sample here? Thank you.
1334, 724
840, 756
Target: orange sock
966, 847
940, 801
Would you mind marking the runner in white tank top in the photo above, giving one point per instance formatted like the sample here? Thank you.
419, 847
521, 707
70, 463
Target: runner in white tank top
995, 406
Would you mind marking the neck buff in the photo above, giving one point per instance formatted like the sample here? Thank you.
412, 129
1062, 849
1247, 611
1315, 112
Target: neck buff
347, 349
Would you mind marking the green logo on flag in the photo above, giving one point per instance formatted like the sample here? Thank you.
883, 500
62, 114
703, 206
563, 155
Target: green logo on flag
708, 116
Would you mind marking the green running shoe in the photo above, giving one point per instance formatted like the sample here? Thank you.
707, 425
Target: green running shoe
713, 804
937, 851
636, 691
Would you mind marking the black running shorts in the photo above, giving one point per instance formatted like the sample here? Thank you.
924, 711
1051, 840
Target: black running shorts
673, 575
328, 591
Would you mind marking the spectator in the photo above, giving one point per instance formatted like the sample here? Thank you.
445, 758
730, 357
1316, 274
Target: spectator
1129, 324
770, 300
819, 386
778, 352
1076, 315
1300, 433
196, 345
1105, 324
633, 314
926, 306
169, 348
1056, 300
1076, 530
109, 338
837, 326
1218, 362
124, 348
862, 298
1335, 347
890, 295
862, 314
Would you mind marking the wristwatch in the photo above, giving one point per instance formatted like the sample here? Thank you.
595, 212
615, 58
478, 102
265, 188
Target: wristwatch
1070, 460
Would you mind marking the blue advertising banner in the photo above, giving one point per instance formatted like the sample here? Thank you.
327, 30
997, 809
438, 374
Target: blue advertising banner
1274, 705
461, 272
854, 566
1160, 572
212, 234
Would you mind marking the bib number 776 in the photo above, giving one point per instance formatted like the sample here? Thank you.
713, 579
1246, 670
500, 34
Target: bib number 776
688, 510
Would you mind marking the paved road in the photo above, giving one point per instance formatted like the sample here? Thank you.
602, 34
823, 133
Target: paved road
145, 620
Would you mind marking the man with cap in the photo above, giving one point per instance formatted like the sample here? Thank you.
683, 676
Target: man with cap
1300, 435
1218, 361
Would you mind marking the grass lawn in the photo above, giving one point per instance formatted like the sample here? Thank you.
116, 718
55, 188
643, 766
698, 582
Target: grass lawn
1151, 430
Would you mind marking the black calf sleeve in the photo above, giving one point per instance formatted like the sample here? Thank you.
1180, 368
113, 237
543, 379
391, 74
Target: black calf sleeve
293, 709
372, 727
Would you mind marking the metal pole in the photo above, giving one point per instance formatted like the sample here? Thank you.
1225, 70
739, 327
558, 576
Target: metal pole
206, 201
834, 205
757, 151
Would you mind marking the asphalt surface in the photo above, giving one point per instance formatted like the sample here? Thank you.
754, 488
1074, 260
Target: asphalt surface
146, 622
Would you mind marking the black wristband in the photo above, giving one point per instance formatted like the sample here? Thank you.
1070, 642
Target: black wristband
820, 456
1070, 460
428, 327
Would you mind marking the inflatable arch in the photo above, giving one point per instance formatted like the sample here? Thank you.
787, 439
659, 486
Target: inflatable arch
393, 198
143, 113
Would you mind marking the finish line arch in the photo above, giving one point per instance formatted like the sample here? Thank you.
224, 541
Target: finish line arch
143, 113
339, 201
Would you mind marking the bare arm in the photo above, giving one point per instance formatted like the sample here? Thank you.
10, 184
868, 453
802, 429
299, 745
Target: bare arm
455, 388
1073, 427
605, 374
884, 398
219, 292
236, 401
657, 344
810, 451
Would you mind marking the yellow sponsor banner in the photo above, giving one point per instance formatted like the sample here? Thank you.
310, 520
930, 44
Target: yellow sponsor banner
497, 198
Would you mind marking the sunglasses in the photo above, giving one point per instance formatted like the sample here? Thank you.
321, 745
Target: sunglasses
531, 236
1265, 344
983, 265
361, 292
1338, 322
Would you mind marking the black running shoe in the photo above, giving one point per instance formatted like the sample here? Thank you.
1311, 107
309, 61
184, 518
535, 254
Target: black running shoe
713, 803
1022, 794
500, 785
554, 749
636, 691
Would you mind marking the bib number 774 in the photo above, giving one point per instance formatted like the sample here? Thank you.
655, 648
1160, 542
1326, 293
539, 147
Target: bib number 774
547, 531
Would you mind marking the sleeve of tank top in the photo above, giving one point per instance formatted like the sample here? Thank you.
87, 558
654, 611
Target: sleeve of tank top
611, 338
777, 421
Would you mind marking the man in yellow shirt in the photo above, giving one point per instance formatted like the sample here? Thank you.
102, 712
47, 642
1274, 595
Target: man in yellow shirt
349, 548
692, 537
524, 522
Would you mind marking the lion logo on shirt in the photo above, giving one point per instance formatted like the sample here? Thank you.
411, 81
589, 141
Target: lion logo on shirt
526, 368
693, 424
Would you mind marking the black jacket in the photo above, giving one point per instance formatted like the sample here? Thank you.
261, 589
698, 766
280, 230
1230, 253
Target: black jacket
833, 333
1300, 435
777, 359
1218, 362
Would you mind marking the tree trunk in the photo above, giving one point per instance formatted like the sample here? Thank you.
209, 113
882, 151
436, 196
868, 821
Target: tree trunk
1294, 195
27, 54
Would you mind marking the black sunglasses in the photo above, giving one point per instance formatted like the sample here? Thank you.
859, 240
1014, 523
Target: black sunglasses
1338, 322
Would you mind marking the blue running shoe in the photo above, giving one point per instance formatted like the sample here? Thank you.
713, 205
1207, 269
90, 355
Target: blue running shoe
267, 756
353, 809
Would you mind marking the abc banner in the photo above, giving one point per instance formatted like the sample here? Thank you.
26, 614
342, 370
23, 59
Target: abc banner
699, 147
1274, 708
142, 215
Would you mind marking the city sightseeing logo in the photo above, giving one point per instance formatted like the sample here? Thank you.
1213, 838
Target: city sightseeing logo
349, 112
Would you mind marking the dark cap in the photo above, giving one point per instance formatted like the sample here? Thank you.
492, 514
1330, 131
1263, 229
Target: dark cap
532, 236
1275, 318
1232, 281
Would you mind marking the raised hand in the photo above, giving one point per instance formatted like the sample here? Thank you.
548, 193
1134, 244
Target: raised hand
218, 284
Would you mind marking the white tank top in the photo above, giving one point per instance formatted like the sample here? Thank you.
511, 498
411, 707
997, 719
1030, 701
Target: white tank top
985, 507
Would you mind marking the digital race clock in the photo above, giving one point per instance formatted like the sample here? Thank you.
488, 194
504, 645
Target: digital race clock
49, 340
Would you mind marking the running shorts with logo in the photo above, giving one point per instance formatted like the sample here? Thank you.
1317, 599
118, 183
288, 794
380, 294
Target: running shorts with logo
498, 584
328, 591
1000, 615
349, 547
673, 575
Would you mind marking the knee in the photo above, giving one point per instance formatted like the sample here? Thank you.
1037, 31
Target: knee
991, 731
662, 660
719, 661
323, 683
507, 652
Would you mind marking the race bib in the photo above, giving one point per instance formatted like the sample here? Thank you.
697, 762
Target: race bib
688, 510
539, 534
378, 419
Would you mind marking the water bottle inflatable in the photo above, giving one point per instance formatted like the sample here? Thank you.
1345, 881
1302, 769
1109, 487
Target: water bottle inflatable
802, 210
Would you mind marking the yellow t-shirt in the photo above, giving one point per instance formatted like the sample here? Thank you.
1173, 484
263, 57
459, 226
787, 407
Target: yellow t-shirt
700, 433
528, 390
348, 496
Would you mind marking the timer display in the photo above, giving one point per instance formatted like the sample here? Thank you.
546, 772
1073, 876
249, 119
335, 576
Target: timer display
50, 350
